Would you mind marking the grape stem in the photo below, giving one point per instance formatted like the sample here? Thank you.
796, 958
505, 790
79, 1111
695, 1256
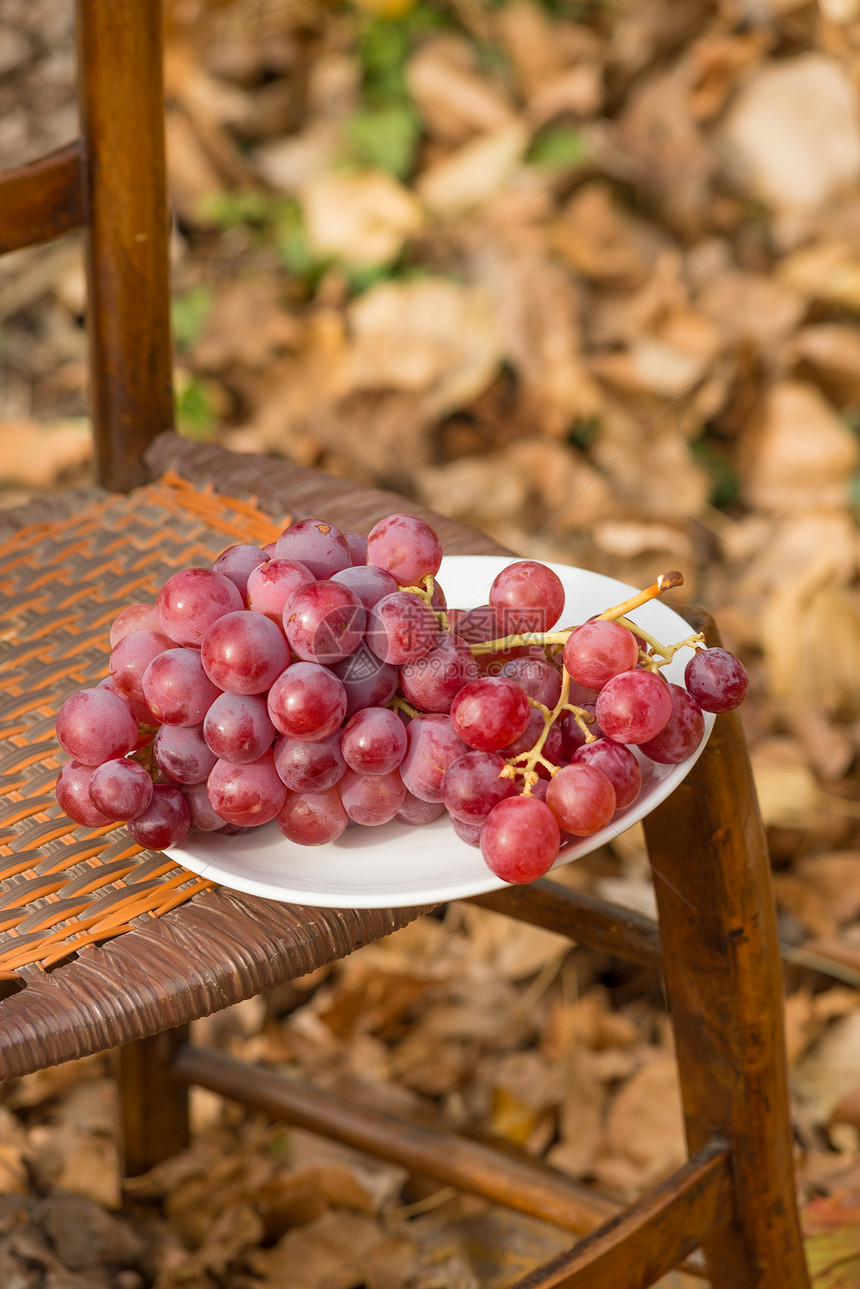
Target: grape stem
660, 655
425, 592
534, 756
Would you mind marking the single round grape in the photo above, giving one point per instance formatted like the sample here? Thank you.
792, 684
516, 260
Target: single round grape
599, 650
312, 818
134, 617
177, 688
73, 794
95, 725
414, 811
309, 767
716, 679
682, 733
191, 600
324, 622
271, 585
553, 748
357, 548
582, 799
618, 764
130, 658
537, 678
244, 652
249, 794
406, 546
520, 839
431, 683
307, 701
321, 547
432, 744
237, 563
373, 741
472, 785
369, 584
166, 821
367, 680
203, 817
120, 789
527, 596
634, 706
182, 753
401, 628
488, 713
572, 733
371, 799
237, 727
469, 833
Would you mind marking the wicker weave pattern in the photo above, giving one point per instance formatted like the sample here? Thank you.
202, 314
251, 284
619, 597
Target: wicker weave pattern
62, 582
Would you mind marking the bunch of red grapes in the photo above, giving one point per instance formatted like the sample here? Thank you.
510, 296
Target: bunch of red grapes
322, 682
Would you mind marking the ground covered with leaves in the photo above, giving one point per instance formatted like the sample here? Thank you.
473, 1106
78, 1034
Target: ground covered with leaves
584, 275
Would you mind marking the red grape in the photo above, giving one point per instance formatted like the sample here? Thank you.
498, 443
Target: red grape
681, 734
246, 794
271, 585
472, 785
182, 753
634, 706
618, 764
432, 744
177, 688
321, 547
527, 596
309, 767
401, 628
324, 622
307, 701
432, 682
415, 811
373, 741
191, 600
237, 563
73, 794
597, 651
134, 617
371, 799
94, 725
716, 679
120, 789
244, 652
582, 799
312, 818
488, 713
165, 821
130, 658
406, 546
237, 727
520, 839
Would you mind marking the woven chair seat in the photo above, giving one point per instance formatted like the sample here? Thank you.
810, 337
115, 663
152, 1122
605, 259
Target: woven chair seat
102, 942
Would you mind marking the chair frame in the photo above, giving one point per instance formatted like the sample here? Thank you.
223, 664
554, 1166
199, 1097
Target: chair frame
717, 938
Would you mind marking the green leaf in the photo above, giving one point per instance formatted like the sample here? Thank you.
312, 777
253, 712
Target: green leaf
725, 487
559, 147
195, 411
239, 209
188, 314
385, 137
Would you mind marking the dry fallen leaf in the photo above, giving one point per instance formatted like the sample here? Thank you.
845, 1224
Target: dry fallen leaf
362, 219
469, 177
792, 136
801, 454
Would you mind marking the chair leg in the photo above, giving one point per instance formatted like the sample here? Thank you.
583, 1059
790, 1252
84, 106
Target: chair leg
153, 1104
724, 982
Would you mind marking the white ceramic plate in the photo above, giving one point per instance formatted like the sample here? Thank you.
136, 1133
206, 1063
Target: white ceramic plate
395, 865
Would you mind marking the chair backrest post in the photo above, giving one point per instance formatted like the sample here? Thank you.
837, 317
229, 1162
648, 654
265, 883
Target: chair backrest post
121, 97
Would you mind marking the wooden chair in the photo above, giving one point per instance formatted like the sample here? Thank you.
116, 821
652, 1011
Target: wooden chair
139, 948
